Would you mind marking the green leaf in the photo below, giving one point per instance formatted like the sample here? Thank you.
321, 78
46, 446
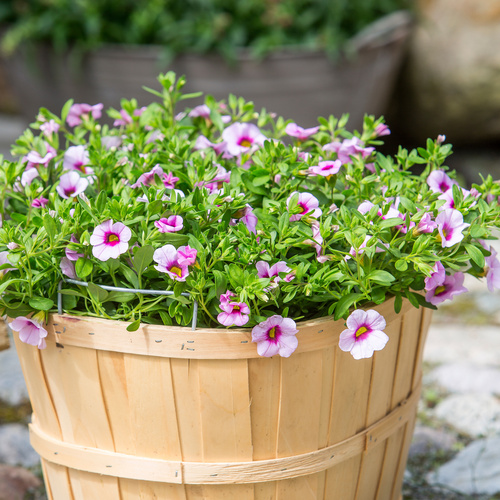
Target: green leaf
69, 302
175, 239
143, 257
119, 296
41, 303
345, 303
398, 304
382, 277
408, 204
401, 265
220, 283
393, 221
100, 203
83, 267
5, 284
130, 276
97, 293
475, 254
73, 293
134, 326
50, 226
65, 109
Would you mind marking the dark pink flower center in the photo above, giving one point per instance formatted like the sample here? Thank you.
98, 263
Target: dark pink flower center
69, 191
274, 333
443, 186
304, 207
246, 142
111, 239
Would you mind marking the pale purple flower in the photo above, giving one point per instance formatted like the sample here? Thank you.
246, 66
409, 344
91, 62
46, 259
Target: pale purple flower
30, 331
233, 313
215, 185
76, 158
12, 245
111, 141
436, 278
203, 143
167, 259
307, 203
28, 176
186, 256
169, 180
441, 138
426, 224
39, 202
71, 185
452, 285
225, 298
450, 224
492, 268
126, 119
34, 158
171, 224
148, 178
249, 219
49, 128
68, 268
109, 240
439, 181
275, 335
348, 148
302, 134
5, 260
73, 254
325, 168
242, 138
447, 196
202, 111
364, 334
381, 129
272, 272
78, 112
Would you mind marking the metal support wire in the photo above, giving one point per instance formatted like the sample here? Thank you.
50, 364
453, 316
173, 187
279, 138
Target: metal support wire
131, 290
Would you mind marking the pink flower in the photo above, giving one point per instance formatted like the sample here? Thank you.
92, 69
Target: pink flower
307, 203
75, 158
73, 254
450, 224
348, 148
215, 185
452, 285
275, 335
250, 219
169, 180
71, 185
233, 313
186, 256
28, 176
78, 112
30, 331
109, 240
364, 334
148, 178
167, 259
325, 168
126, 119
436, 278
202, 111
203, 143
242, 138
302, 134
381, 129
68, 268
426, 224
34, 158
39, 202
49, 128
264, 271
439, 182
172, 224
492, 269
5, 260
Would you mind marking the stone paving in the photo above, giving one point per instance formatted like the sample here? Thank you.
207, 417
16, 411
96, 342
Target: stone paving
456, 448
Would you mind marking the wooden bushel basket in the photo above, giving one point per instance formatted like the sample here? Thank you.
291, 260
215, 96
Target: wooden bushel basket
169, 413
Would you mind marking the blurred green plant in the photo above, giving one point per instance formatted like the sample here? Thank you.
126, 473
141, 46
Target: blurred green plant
196, 26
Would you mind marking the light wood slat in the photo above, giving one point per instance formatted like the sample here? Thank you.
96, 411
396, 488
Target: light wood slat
425, 323
145, 490
264, 379
390, 464
57, 481
181, 342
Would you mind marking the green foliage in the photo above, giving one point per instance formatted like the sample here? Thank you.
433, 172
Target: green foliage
338, 257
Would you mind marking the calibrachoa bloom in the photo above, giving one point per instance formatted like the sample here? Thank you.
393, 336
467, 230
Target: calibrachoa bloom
439, 181
71, 184
348, 148
68, 268
75, 158
30, 331
242, 137
275, 335
49, 128
73, 254
171, 224
168, 262
78, 112
450, 224
452, 285
302, 134
109, 240
364, 334
148, 177
436, 278
308, 203
326, 168
34, 158
186, 256
426, 225
233, 313
39, 202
